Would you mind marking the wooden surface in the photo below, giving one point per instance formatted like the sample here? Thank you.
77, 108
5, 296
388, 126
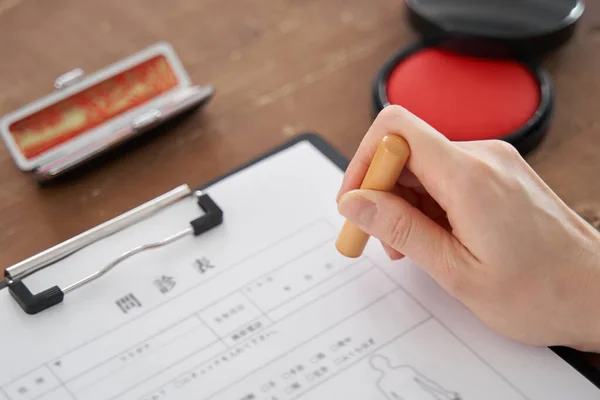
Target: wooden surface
280, 67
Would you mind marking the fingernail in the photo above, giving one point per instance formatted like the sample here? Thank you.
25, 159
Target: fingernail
357, 209
394, 256
339, 194
389, 253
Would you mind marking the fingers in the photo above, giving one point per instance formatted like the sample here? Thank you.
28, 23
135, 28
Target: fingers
433, 157
394, 255
405, 229
430, 207
422, 201
409, 180
409, 196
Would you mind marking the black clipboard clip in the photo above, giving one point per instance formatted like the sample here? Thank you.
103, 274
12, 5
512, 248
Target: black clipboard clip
35, 303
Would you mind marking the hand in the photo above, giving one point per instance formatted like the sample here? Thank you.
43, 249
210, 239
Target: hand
481, 223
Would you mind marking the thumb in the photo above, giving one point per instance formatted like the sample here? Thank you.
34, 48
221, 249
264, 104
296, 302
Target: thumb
406, 229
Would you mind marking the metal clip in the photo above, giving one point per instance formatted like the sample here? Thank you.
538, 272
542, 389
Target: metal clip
69, 78
146, 120
34, 303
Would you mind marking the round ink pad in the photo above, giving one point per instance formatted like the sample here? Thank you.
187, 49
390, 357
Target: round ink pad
476, 73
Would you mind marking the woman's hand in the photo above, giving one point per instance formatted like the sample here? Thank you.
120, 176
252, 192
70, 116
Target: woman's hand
479, 220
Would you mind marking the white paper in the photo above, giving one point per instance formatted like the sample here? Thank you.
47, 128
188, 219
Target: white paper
262, 308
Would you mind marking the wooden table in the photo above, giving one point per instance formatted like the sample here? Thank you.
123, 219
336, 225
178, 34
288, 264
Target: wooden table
280, 67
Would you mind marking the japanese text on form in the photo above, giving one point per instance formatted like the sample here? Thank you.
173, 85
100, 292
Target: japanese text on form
263, 308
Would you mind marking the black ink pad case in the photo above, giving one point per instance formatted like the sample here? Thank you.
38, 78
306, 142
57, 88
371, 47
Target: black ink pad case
476, 73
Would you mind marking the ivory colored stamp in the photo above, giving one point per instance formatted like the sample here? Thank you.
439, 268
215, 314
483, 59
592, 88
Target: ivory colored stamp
383, 174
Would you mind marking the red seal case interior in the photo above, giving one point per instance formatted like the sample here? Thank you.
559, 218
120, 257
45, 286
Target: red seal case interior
476, 73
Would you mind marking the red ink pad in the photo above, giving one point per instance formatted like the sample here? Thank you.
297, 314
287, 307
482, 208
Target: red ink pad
476, 73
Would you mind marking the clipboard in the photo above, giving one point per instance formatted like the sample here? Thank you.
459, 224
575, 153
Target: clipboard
359, 363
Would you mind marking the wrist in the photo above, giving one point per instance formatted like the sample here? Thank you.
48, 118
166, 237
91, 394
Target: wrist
587, 307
